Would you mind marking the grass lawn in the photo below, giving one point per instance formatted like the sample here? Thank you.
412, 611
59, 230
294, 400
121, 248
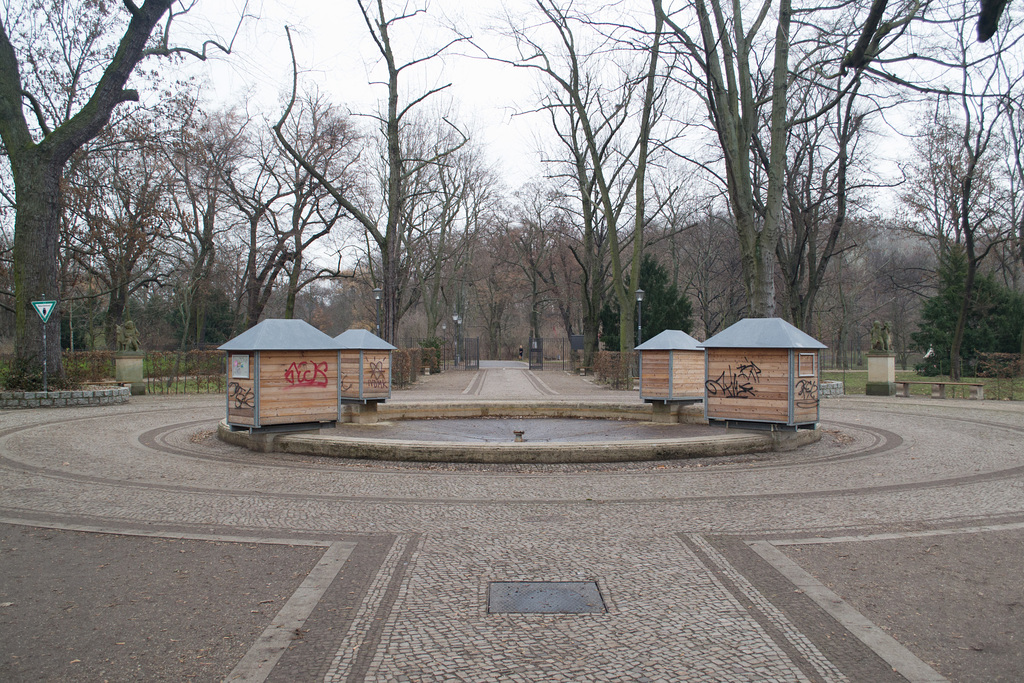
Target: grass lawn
995, 389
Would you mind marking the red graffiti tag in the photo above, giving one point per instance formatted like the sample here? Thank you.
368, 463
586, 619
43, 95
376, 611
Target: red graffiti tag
306, 374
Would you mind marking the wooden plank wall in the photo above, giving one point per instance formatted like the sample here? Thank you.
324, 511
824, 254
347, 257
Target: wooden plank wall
748, 384
687, 374
348, 374
298, 386
376, 374
654, 379
242, 394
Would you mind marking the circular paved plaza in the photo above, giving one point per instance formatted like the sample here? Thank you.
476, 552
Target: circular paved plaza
136, 546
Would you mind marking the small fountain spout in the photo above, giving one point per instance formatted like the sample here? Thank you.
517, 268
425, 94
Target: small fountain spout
519, 434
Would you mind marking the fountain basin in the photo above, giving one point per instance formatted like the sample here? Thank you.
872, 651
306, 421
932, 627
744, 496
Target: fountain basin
687, 438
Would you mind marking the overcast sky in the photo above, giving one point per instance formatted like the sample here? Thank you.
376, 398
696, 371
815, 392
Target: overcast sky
335, 52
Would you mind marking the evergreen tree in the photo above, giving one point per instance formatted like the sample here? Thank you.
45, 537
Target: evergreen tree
664, 307
995, 317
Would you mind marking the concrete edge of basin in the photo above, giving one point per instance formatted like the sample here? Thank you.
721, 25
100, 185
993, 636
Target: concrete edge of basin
731, 442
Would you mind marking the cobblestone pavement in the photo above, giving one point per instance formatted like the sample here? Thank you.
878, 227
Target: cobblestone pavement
135, 546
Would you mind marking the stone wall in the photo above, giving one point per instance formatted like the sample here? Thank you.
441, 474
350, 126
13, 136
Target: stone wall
830, 389
63, 399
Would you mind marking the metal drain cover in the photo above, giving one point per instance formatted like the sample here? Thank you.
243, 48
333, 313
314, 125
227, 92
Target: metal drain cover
544, 597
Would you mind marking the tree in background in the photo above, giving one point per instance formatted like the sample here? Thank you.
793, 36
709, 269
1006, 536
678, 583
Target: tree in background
664, 307
72, 93
383, 218
994, 317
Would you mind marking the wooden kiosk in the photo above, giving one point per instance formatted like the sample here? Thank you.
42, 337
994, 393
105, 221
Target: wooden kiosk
762, 373
671, 371
365, 373
282, 374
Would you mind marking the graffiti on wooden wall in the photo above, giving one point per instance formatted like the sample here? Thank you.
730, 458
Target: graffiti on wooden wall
738, 383
241, 395
378, 375
807, 393
306, 374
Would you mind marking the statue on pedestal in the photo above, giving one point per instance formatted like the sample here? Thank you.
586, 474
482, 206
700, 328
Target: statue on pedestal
128, 337
881, 337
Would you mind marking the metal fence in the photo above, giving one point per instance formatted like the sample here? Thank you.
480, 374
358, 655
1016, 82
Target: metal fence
456, 354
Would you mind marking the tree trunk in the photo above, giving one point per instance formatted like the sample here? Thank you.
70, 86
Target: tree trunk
36, 233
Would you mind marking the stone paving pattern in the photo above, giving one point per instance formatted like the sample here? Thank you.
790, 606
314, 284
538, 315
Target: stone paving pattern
866, 511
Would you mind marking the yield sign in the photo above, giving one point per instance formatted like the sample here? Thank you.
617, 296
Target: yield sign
44, 309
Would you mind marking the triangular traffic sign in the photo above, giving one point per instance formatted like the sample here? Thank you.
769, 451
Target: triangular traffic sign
44, 309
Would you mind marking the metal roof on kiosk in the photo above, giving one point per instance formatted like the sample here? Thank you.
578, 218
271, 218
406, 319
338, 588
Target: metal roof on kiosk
362, 339
671, 340
763, 333
275, 334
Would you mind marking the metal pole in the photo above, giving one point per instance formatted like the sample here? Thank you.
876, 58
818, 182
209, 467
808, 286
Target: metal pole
44, 358
639, 322
377, 293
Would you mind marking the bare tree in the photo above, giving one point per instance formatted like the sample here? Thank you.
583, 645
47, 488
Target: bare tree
457, 200
201, 153
384, 228
124, 203
614, 124
823, 155
742, 72
329, 141
255, 183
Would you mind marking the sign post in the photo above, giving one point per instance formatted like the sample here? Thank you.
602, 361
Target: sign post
44, 309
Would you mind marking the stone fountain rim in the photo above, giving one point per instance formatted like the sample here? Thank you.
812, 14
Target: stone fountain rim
730, 442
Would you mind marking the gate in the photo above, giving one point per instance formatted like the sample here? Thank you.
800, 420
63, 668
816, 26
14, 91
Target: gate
471, 352
536, 353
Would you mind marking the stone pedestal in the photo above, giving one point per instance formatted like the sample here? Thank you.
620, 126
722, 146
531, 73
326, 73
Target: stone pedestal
881, 374
665, 413
364, 413
128, 368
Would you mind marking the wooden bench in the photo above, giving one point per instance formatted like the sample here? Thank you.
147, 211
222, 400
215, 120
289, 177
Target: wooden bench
977, 390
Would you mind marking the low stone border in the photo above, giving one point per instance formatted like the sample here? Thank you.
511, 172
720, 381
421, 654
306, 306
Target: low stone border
729, 442
64, 399
831, 389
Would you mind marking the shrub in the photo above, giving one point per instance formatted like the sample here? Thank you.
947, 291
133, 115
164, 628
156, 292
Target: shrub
615, 369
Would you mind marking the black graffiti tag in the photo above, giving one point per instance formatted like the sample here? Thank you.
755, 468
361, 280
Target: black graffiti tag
378, 376
735, 384
807, 393
242, 396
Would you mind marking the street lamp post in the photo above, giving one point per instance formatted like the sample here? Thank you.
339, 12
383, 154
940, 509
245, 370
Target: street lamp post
456, 319
444, 344
376, 295
639, 316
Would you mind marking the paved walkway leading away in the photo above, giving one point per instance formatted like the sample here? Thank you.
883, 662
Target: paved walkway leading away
135, 546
